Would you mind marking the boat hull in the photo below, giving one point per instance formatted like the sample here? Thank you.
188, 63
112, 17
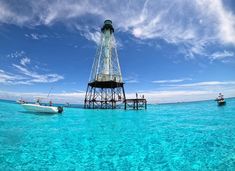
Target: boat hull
39, 108
221, 103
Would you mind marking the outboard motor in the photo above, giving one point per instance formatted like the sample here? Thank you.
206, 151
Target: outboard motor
60, 109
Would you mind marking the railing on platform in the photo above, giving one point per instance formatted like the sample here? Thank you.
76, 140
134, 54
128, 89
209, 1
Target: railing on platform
135, 104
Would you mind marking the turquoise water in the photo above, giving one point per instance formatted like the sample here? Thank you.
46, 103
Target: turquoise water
185, 136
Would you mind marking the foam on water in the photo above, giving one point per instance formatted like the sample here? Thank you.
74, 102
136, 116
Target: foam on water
186, 136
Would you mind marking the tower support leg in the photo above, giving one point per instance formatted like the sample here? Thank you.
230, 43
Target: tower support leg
104, 98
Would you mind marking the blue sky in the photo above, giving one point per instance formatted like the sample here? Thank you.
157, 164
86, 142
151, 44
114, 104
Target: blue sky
168, 50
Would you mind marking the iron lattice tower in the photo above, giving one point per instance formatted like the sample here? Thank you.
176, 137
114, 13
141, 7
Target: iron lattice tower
105, 89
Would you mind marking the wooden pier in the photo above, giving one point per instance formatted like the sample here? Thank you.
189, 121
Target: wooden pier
135, 104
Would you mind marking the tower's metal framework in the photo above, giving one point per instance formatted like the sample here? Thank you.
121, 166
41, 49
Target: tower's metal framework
105, 89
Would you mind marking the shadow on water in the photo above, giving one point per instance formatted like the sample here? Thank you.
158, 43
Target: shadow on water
223, 105
39, 113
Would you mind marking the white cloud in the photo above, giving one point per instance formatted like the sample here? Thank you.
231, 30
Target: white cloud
9, 78
7, 15
35, 77
26, 74
93, 36
17, 54
206, 83
191, 23
27, 77
5, 77
25, 61
224, 18
171, 81
194, 24
132, 78
132, 81
221, 55
36, 36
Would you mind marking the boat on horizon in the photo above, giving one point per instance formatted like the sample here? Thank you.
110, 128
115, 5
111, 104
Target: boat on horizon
220, 100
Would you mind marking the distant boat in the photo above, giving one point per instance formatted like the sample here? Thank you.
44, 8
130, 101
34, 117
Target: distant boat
38, 108
220, 100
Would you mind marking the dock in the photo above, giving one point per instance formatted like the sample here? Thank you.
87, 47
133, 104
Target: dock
135, 104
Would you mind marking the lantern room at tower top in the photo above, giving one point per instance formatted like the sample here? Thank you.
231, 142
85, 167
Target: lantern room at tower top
107, 26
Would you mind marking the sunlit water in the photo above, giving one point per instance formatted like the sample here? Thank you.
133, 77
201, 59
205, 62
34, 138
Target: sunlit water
185, 136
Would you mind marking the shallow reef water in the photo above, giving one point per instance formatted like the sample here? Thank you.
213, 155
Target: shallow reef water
183, 136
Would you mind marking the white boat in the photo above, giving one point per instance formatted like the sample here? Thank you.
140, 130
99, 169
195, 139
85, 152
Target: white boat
42, 109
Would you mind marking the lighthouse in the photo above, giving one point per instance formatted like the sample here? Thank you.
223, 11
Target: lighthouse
105, 89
